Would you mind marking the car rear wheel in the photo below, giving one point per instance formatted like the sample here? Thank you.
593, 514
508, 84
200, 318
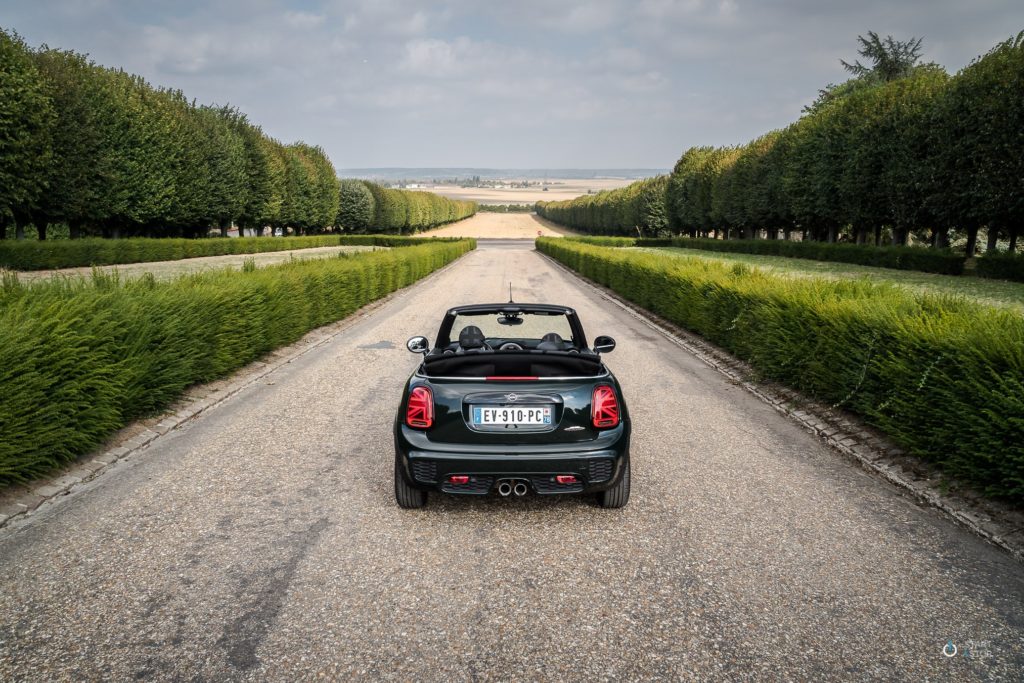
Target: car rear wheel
406, 496
618, 495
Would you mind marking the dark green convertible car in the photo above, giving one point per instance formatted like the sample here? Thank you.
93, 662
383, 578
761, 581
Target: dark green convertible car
511, 399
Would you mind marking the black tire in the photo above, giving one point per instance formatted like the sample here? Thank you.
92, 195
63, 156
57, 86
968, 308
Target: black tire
618, 495
406, 496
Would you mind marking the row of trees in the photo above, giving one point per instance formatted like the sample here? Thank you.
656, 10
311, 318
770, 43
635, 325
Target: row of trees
104, 152
638, 209
369, 207
901, 149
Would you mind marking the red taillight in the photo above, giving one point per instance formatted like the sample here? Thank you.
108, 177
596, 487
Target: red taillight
604, 409
459, 479
420, 413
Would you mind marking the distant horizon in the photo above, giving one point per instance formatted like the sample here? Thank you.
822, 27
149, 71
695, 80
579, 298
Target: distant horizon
496, 172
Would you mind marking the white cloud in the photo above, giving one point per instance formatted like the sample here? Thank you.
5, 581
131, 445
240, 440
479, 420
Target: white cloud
303, 20
386, 82
430, 57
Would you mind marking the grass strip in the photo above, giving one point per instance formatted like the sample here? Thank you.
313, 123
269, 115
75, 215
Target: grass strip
54, 254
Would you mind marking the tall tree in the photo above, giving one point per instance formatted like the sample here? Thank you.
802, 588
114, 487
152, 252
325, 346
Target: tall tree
887, 59
26, 128
978, 135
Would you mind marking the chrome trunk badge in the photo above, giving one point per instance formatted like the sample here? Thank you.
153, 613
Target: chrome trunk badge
512, 397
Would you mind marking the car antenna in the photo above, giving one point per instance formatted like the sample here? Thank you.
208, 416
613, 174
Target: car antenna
510, 292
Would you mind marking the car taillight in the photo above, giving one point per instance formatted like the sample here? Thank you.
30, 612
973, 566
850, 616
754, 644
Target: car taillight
604, 409
420, 413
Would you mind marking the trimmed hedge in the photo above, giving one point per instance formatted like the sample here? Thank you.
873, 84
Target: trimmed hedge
942, 376
1001, 267
407, 211
623, 211
31, 255
901, 258
81, 357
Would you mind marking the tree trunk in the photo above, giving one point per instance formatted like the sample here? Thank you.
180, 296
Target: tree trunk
878, 235
259, 231
993, 238
1013, 240
972, 241
223, 223
831, 234
41, 227
787, 234
74, 230
19, 230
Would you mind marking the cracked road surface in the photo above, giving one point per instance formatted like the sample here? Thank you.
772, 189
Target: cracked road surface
261, 541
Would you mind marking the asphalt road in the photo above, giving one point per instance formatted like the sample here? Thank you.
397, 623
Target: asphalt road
261, 542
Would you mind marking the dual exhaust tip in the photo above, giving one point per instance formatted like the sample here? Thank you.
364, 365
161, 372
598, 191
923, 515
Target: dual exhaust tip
506, 488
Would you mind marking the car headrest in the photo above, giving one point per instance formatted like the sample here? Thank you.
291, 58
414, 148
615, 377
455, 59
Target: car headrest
471, 337
551, 341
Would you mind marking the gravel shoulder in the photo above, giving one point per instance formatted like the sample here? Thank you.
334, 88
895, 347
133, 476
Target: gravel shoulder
261, 541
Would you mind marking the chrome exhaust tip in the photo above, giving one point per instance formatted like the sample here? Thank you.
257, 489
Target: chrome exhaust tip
504, 488
520, 489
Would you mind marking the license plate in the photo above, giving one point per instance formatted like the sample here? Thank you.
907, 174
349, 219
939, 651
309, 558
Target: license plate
512, 415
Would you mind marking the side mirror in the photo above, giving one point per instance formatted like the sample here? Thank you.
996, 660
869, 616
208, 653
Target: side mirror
604, 344
420, 345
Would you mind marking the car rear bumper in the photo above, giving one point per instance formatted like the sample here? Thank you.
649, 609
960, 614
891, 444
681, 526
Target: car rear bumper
595, 470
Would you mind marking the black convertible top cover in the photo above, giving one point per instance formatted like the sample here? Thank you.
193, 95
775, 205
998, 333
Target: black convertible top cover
514, 364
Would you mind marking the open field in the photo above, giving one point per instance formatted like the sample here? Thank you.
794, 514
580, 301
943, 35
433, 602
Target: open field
557, 190
991, 292
165, 270
500, 226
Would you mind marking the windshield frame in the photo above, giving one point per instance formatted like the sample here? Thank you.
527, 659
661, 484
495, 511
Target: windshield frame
579, 339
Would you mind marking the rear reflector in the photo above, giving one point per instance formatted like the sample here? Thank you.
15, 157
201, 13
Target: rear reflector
604, 409
508, 378
458, 479
565, 479
420, 411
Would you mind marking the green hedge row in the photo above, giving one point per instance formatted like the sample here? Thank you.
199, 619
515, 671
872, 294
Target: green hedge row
943, 377
998, 266
80, 357
407, 211
1001, 267
32, 255
901, 258
636, 208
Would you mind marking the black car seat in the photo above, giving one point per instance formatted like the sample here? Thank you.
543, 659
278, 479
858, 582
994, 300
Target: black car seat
471, 340
551, 341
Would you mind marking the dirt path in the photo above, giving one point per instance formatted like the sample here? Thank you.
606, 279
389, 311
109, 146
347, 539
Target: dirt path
166, 270
501, 225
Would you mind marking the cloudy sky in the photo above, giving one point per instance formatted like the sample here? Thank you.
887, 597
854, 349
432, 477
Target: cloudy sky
516, 84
